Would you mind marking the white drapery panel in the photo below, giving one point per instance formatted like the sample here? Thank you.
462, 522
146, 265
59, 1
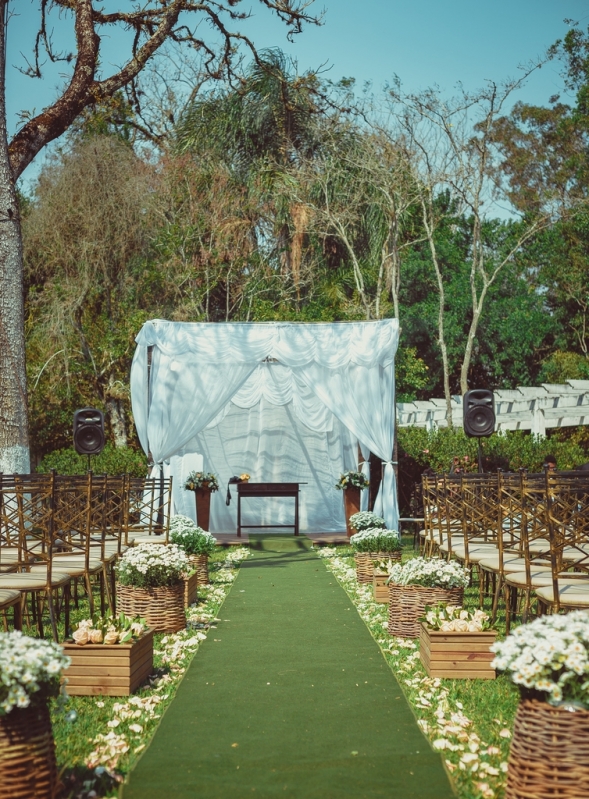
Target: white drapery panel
365, 469
324, 377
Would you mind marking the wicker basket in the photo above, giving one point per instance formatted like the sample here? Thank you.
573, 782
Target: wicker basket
549, 755
162, 608
27, 754
365, 563
407, 605
201, 564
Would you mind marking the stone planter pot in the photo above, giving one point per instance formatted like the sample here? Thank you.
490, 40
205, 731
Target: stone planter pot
457, 655
351, 505
109, 669
203, 507
27, 754
407, 605
201, 564
162, 608
549, 753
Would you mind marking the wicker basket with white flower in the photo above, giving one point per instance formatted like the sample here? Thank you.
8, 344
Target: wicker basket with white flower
197, 543
150, 585
456, 643
30, 671
549, 662
418, 583
372, 545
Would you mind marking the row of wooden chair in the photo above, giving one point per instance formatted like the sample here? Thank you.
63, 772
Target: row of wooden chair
59, 531
527, 535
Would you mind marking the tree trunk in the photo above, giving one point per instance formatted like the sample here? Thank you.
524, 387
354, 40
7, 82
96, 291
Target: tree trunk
116, 414
14, 427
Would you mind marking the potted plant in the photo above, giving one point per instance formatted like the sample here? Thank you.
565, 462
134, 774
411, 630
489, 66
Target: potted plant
150, 585
111, 656
195, 542
30, 671
366, 520
203, 484
418, 583
372, 545
351, 483
549, 662
455, 642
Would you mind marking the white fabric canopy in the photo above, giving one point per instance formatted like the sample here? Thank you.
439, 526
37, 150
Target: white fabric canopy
284, 402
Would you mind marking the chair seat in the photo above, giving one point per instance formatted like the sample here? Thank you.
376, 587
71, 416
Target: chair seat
63, 563
542, 578
8, 598
149, 539
574, 596
25, 581
511, 563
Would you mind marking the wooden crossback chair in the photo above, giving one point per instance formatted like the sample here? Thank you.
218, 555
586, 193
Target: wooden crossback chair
31, 505
568, 523
148, 509
472, 499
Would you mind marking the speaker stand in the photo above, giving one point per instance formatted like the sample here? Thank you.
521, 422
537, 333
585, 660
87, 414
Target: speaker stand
90, 461
480, 457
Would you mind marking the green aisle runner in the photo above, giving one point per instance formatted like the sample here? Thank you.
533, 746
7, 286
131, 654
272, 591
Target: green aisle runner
292, 699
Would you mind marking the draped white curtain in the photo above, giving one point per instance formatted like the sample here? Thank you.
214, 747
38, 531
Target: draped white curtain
329, 380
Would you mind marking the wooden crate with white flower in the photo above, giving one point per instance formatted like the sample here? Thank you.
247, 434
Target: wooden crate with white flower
458, 655
109, 669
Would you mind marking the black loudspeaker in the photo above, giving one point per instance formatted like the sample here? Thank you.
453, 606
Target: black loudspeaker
88, 431
478, 411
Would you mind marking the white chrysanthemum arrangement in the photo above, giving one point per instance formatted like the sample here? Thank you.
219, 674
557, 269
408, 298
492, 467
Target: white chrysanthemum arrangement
366, 520
30, 669
453, 618
152, 565
549, 657
190, 537
430, 573
376, 540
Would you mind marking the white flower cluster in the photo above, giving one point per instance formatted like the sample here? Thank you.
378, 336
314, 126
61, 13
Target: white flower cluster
375, 539
152, 565
430, 572
365, 520
26, 665
550, 655
181, 525
190, 537
452, 618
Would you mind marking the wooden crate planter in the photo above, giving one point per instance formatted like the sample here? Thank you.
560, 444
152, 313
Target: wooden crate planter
365, 563
549, 755
162, 608
190, 589
407, 605
109, 669
458, 655
28, 769
380, 587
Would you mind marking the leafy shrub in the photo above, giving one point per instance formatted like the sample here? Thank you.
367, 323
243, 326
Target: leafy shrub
190, 537
376, 540
112, 460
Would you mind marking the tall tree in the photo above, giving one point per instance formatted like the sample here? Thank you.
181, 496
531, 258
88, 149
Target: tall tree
153, 23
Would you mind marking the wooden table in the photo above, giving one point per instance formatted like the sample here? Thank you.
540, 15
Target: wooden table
267, 490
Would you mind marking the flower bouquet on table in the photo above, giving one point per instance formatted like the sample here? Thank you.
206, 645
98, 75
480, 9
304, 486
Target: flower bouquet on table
548, 660
150, 585
30, 671
110, 656
456, 643
197, 543
418, 583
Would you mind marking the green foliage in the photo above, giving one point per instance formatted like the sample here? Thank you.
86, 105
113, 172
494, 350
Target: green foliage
512, 450
112, 460
562, 366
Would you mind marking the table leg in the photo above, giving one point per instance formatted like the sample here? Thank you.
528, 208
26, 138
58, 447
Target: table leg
239, 515
296, 513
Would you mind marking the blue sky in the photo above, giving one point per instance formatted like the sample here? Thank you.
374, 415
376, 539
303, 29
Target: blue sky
424, 42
